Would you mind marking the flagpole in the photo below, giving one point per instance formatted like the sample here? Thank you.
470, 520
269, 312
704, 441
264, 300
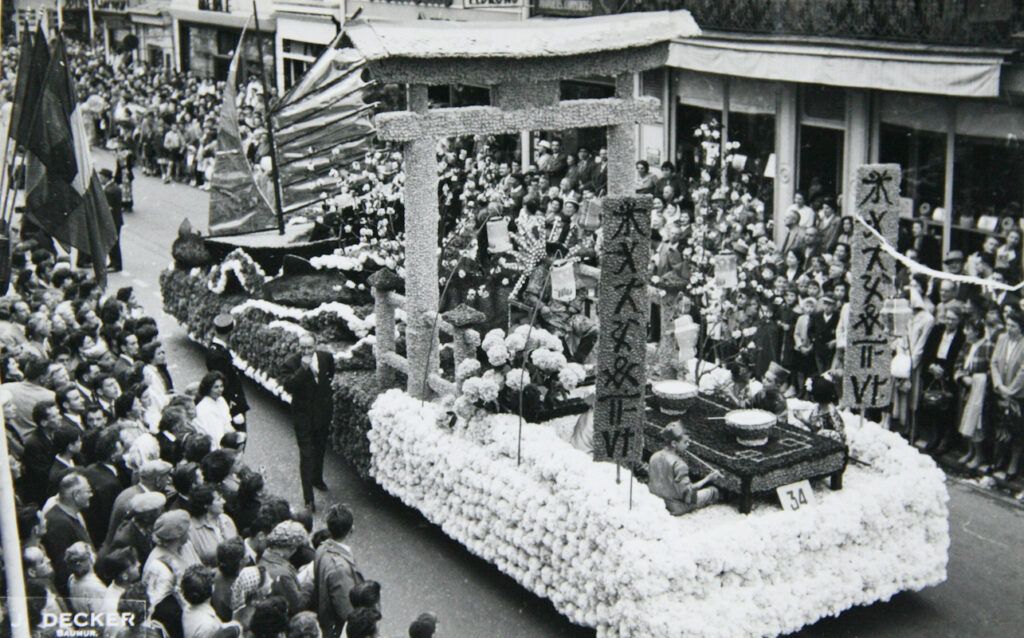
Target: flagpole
17, 603
275, 175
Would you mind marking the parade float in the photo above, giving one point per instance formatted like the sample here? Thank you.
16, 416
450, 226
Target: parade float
431, 400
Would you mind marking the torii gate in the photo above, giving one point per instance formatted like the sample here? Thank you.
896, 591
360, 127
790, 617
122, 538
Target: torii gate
523, 64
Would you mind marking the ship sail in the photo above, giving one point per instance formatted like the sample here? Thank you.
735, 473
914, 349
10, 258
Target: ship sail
238, 194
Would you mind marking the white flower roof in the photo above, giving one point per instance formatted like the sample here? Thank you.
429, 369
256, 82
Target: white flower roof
535, 38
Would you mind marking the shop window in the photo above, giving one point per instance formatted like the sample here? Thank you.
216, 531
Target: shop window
989, 166
912, 133
823, 103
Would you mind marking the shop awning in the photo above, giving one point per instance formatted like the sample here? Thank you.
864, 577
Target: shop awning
912, 70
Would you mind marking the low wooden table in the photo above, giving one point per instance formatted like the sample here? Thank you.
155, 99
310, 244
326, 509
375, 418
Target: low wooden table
791, 454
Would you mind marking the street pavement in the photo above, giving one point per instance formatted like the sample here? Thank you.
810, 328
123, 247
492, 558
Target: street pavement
421, 569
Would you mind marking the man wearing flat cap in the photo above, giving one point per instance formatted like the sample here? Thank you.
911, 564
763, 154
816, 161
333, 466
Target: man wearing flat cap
136, 528
670, 475
218, 358
154, 475
165, 566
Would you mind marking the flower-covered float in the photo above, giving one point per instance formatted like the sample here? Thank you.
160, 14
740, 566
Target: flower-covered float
455, 445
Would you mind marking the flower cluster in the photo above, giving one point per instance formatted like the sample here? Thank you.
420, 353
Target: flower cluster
547, 515
527, 359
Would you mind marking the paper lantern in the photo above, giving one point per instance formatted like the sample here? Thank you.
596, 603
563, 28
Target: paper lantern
726, 275
590, 214
563, 282
900, 312
497, 236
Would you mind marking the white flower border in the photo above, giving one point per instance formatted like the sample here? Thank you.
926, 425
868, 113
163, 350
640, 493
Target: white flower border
359, 326
258, 376
218, 280
560, 525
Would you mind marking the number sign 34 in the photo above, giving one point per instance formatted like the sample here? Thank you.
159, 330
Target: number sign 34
796, 496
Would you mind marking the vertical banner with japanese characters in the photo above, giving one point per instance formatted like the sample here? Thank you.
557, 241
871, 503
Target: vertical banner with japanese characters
866, 380
623, 308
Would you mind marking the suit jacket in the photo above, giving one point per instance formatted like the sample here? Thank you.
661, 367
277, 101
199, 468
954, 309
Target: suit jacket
587, 173
557, 166
793, 240
62, 531
36, 459
931, 354
219, 358
106, 485
312, 399
668, 259
830, 230
120, 509
128, 534
113, 193
822, 331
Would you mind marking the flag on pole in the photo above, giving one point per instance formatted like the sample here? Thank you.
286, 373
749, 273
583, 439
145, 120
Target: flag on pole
65, 197
32, 62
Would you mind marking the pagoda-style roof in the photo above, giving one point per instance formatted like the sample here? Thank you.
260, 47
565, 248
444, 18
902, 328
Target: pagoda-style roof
436, 52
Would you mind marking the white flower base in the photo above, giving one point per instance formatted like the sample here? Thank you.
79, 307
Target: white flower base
560, 525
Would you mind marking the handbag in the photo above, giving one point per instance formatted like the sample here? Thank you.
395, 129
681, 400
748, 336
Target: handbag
899, 368
936, 396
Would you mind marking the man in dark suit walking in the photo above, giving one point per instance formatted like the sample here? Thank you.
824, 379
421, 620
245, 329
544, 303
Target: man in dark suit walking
218, 358
65, 525
309, 376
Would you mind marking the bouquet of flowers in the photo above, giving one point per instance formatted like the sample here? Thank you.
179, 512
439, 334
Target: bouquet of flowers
522, 371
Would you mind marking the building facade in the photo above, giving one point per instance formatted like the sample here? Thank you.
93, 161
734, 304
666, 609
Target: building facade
813, 89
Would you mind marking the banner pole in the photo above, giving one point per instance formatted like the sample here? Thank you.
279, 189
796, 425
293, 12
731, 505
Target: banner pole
17, 604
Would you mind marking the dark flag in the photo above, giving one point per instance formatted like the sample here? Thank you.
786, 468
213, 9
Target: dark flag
32, 62
65, 197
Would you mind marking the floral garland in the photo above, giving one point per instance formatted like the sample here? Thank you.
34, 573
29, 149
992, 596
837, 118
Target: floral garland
244, 267
332, 311
561, 526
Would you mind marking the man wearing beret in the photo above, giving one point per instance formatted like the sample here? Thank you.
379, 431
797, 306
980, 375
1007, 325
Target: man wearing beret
218, 358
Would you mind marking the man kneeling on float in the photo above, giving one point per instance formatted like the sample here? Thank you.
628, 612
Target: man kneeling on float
670, 475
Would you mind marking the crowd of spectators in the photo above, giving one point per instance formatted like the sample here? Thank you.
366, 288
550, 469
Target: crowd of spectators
132, 488
161, 121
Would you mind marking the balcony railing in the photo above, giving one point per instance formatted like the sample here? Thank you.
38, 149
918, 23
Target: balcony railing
990, 23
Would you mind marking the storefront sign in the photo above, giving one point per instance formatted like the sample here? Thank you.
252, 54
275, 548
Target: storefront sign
564, 7
867, 381
623, 308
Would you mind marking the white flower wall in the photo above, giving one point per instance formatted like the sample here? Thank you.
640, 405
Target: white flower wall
560, 525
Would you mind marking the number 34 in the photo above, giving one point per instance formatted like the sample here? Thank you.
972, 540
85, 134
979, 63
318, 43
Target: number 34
796, 496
